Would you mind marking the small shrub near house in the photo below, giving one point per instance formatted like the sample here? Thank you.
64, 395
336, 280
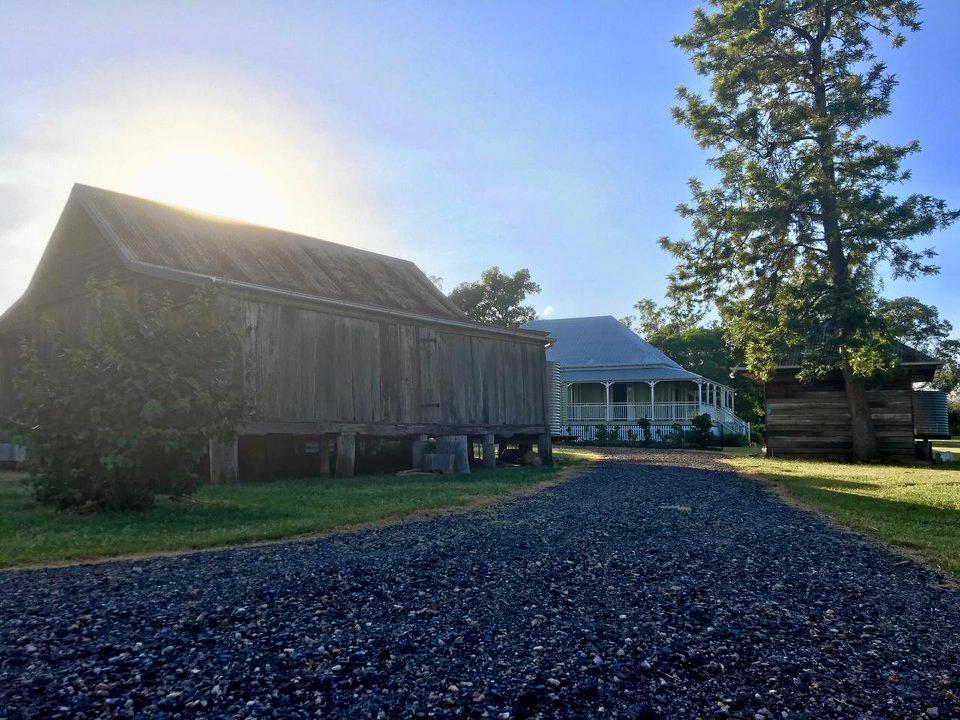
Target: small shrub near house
734, 440
644, 426
114, 413
700, 434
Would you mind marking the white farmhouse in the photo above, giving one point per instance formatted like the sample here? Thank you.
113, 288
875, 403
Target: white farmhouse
611, 376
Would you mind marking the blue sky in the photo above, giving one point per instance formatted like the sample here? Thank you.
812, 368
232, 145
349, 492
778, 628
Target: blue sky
458, 135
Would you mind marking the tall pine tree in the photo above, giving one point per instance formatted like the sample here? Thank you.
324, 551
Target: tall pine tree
792, 240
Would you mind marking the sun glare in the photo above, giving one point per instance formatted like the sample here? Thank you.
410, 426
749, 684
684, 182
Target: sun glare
197, 137
221, 184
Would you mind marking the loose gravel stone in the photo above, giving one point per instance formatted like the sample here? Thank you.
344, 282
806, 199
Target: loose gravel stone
596, 598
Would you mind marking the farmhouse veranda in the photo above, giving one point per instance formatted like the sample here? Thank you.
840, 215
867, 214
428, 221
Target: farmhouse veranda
606, 374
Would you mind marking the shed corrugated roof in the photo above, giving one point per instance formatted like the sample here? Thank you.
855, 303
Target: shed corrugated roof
174, 238
605, 342
905, 354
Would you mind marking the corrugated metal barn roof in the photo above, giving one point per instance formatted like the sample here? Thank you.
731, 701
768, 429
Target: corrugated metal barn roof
165, 236
905, 354
605, 342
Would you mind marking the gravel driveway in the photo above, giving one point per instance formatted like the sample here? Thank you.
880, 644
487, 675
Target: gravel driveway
654, 586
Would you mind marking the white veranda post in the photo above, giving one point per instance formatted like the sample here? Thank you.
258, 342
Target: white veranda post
699, 397
606, 386
653, 414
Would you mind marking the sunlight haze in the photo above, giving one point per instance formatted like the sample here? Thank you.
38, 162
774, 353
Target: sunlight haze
455, 135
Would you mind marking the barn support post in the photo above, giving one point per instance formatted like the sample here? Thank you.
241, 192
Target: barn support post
545, 449
224, 460
324, 455
418, 449
489, 454
346, 454
457, 446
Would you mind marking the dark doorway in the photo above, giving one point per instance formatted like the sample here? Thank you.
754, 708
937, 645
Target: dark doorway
618, 393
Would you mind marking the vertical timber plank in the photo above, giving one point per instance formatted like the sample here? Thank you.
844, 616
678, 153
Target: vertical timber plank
224, 461
346, 455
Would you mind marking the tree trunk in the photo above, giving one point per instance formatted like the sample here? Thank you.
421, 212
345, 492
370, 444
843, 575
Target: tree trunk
861, 423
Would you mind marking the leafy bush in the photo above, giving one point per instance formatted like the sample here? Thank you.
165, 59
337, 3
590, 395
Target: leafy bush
644, 425
735, 439
677, 434
119, 410
700, 432
600, 434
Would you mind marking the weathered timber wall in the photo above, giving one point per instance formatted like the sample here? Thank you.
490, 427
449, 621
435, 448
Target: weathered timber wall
8, 364
813, 420
57, 291
309, 366
314, 370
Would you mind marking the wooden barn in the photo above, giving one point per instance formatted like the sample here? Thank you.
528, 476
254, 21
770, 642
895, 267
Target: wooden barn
344, 347
813, 419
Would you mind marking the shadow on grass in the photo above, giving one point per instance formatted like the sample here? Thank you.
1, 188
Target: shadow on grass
914, 508
931, 530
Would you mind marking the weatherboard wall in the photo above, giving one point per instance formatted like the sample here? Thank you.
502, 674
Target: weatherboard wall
813, 419
330, 370
336, 339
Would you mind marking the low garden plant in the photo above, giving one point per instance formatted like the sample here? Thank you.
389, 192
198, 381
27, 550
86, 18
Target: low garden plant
699, 434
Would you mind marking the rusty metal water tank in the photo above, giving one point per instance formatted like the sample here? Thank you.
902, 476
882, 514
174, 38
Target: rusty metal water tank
930, 414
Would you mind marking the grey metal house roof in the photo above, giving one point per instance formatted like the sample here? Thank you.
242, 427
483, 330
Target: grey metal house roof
587, 348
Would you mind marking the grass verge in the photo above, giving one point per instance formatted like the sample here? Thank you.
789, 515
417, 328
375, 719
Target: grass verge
914, 508
742, 450
219, 516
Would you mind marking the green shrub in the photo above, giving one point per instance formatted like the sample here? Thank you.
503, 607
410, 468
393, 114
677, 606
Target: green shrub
121, 409
644, 425
700, 432
677, 434
600, 435
735, 439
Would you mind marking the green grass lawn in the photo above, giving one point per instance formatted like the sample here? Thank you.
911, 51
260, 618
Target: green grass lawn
230, 515
742, 450
917, 508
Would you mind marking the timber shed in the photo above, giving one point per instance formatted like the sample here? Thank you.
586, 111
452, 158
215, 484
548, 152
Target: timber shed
812, 419
343, 347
